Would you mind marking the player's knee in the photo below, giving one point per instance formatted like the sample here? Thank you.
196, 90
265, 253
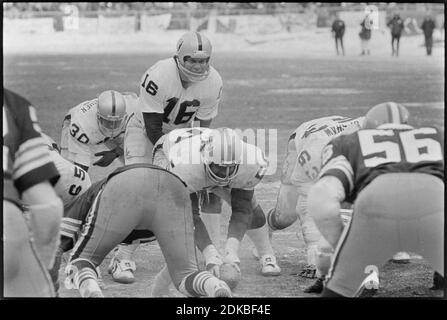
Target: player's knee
279, 220
258, 219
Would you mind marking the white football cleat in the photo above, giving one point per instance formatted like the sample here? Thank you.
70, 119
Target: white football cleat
401, 257
269, 266
122, 270
222, 290
369, 286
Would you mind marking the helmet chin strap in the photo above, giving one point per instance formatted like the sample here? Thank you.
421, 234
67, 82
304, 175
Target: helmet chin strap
190, 76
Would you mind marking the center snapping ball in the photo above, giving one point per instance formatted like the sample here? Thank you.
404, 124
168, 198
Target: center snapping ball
231, 274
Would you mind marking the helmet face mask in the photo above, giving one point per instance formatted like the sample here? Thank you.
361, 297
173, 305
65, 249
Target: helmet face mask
193, 56
222, 156
111, 115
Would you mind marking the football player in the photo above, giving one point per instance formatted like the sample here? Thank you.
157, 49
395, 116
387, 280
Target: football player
95, 128
176, 92
137, 201
73, 179
393, 173
300, 170
219, 161
31, 209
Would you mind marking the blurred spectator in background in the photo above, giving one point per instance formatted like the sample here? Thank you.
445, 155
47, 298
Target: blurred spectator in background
428, 25
365, 35
338, 31
396, 25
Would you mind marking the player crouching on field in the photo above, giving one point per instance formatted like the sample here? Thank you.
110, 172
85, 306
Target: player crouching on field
393, 173
133, 202
217, 160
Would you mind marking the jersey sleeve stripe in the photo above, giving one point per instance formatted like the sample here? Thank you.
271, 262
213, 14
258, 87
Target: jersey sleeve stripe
71, 221
47, 172
25, 166
342, 165
67, 234
31, 144
67, 227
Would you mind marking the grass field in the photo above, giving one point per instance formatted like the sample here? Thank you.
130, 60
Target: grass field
259, 92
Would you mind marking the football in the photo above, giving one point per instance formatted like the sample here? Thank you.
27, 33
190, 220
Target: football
231, 274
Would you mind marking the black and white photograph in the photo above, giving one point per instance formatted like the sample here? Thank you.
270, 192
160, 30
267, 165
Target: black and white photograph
223, 150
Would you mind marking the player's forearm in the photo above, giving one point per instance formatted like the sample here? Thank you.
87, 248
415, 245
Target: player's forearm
153, 123
324, 207
201, 235
242, 211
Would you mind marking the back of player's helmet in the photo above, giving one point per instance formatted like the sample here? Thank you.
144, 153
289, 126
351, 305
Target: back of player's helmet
387, 112
111, 113
193, 56
222, 155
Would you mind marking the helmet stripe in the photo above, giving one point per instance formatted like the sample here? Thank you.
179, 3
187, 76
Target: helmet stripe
113, 104
396, 118
199, 40
389, 113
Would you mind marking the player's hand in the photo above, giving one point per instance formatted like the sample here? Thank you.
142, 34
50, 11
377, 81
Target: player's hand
107, 157
213, 265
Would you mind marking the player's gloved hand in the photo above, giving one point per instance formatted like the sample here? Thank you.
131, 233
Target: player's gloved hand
107, 157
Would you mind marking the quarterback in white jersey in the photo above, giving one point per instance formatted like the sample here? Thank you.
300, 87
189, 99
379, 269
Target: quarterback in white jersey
95, 128
300, 170
218, 160
173, 93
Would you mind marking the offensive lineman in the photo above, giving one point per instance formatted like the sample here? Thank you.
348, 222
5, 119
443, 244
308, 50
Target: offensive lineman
301, 167
394, 174
218, 160
176, 92
139, 200
95, 128
31, 209
73, 180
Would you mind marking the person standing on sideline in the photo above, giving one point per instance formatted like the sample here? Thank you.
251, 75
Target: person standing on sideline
338, 31
396, 25
365, 35
428, 25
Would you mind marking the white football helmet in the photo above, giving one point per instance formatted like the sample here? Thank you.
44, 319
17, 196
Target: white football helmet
111, 115
196, 46
222, 154
387, 112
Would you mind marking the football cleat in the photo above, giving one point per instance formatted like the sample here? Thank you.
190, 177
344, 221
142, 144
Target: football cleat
369, 286
317, 286
438, 281
122, 270
222, 290
309, 271
401, 257
269, 266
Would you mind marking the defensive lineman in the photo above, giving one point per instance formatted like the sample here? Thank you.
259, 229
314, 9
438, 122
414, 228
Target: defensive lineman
31, 209
394, 175
134, 201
